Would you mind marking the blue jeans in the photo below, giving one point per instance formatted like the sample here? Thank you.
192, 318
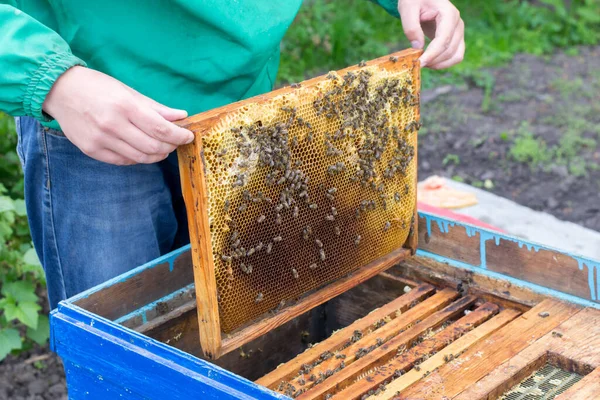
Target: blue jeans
91, 221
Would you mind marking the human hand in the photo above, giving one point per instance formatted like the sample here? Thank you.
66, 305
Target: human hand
110, 121
441, 22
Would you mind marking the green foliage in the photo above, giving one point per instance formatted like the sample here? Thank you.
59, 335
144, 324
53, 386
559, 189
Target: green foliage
331, 34
21, 323
451, 158
527, 148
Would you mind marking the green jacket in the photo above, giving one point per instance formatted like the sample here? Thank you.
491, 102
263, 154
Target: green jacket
193, 55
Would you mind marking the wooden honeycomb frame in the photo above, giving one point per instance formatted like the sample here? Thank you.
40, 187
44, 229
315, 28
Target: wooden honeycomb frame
193, 176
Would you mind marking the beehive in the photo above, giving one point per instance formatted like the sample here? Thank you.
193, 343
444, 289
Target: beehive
301, 187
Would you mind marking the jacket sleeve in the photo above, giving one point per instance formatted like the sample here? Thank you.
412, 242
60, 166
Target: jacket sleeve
391, 6
32, 57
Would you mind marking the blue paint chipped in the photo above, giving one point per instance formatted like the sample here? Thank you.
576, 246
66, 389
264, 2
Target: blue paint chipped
142, 311
513, 281
592, 267
486, 235
169, 257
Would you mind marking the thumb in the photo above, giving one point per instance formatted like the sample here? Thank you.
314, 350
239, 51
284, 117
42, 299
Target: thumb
410, 15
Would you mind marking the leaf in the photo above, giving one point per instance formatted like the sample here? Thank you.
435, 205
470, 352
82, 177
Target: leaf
25, 312
20, 208
21, 291
6, 204
31, 258
42, 333
9, 341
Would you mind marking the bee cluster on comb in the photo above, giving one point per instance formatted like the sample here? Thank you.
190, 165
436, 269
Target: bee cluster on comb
309, 186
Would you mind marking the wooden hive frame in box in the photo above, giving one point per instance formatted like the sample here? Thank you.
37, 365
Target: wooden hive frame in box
198, 174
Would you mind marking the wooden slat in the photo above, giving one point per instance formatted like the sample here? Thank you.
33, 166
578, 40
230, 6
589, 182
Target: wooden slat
195, 194
575, 342
455, 244
339, 338
423, 269
586, 389
385, 333
336, 288
448, 353
382, 354
408, 359
482, 358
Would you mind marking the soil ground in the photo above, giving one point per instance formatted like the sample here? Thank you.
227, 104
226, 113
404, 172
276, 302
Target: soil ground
527, 131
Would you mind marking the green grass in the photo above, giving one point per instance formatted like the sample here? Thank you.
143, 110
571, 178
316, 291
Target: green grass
332, 34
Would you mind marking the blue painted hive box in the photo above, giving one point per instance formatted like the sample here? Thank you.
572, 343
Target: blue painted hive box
474, 314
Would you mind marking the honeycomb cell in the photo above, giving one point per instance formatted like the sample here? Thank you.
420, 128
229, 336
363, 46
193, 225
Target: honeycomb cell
308, 187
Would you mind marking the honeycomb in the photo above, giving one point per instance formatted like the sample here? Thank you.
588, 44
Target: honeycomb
309, 186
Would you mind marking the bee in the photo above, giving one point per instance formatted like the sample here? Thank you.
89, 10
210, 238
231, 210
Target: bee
406, 189
330, 218
330, 196
357, 240
277, 239
332, 190
244, 268
226, 258
337, 230
296, 212
226, 205
363, 63
303, 194
313, 206
295, 85
279, 207
250, 252
281, 180
259, 246
261, 219
313, 266
295, 273
259, 298
397, 197
243, 207
322, 254
333, 211
236, 244
234, 236
387, 225
318, 243
269, 248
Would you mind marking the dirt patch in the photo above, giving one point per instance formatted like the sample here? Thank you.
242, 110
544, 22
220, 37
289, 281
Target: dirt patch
35, 375
528, 132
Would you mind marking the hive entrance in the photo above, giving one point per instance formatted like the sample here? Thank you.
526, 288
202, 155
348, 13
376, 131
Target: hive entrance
301, 187
544, 384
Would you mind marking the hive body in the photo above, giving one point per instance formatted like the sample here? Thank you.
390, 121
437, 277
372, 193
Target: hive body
307, 186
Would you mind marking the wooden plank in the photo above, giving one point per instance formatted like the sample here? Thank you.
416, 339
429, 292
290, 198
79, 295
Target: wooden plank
336, 288
509, 256
575, 343
383, 334
195, 194
410, 358
382, 354
586, 389
547, 268
482, 358
201, 123
155, 282
424, 269
341, 337
454, 244
448, 353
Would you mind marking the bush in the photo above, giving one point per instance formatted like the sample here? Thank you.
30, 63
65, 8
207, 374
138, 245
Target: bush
21, 276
